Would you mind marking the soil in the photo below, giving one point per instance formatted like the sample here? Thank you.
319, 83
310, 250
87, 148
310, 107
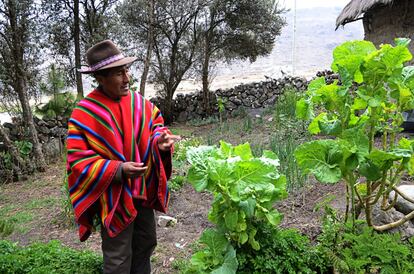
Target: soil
187, 206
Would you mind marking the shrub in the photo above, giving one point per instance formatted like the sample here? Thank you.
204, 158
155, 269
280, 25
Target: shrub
282, 251
47, 258
61, 104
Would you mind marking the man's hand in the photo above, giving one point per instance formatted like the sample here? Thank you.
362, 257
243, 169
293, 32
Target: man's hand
166, 141
133, 169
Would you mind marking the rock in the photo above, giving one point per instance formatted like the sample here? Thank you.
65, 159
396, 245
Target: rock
8, 125
52, 148
44, 130
380, 217
182, 117
42, 123
402, 205
166, 221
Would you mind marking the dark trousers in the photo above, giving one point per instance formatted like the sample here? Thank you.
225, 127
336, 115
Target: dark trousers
130, 251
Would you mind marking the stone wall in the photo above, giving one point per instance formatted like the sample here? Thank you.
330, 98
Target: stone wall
51, 133
249, 96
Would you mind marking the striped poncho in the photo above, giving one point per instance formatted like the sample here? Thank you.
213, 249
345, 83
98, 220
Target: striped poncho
103, 133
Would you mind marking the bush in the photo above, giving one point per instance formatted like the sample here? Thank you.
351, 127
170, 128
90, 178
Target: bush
282, 251
371, 252
47, 258
61, 104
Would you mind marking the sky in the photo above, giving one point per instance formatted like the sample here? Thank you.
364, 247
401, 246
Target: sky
303, 4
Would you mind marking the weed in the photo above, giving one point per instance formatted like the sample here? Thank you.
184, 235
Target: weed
284, 147
204, 121
47, 258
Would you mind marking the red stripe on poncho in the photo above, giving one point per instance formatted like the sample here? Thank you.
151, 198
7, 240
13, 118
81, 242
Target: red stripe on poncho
103, 133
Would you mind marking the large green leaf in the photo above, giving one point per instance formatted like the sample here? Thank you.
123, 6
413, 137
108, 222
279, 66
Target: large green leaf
357, 137
216, 242
303, 109
230, 263
369, 170
243, 151
231, 218
384, 159
350, 56
198, 178
322, 159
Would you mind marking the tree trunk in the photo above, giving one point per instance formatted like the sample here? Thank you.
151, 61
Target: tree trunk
167, 110
20, 84
149, 47
28, 120
17, 160
205, 74
76, 27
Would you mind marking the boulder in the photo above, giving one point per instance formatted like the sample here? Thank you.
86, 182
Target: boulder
402, 205
380, 217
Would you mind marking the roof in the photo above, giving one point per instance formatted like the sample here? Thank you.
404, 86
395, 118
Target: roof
355, 8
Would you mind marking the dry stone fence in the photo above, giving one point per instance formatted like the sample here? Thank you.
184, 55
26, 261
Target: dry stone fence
249, 96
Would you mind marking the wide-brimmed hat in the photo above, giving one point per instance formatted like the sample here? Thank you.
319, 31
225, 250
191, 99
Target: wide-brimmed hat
104, 55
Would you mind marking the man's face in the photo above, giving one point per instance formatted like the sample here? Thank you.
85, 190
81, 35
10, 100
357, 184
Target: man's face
116, 83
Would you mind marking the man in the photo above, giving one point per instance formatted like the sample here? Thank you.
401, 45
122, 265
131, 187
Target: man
119, 161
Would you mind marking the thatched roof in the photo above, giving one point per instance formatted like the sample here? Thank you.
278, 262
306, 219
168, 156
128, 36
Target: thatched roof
355, 8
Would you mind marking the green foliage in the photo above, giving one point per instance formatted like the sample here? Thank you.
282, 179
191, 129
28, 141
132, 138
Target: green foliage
284, 112
244, 187
176, 183
371, 252
67, 217
47, 258
289, 133
376, 88
204, 121
180, 162
218, 256
6, 228
61, 104
24, 147
6, 167
55, 81
181, 148
282, 251
284, 146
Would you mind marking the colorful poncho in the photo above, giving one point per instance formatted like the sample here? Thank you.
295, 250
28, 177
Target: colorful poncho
102, 134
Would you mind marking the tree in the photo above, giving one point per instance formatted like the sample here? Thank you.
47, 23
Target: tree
175, 45
236, 29
136, 22
72, 27
18, 59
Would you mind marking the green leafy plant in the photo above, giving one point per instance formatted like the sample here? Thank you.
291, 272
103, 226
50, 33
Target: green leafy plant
218, 255
244, 189
282, 251
221, 103
67, 217
6, 228
345, 249
375, 89
47, 258
61, 104
24, 147
371, 252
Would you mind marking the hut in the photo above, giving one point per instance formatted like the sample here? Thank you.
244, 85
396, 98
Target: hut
383, 20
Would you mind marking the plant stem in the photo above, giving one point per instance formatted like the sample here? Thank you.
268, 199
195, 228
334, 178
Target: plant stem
368, 206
